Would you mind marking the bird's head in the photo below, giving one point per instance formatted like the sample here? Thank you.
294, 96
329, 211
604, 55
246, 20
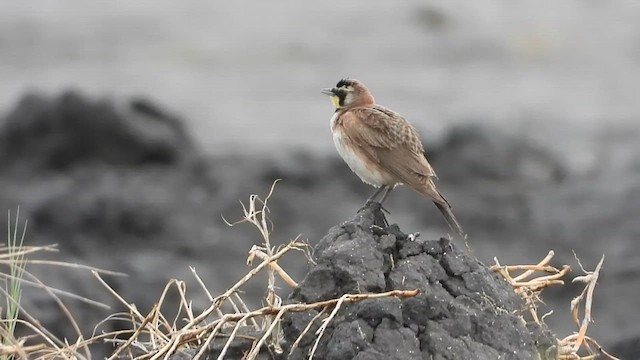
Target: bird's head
349, 93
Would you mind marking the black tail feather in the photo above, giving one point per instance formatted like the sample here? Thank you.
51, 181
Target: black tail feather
453, 223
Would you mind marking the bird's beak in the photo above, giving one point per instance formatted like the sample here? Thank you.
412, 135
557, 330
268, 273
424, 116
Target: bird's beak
328, 91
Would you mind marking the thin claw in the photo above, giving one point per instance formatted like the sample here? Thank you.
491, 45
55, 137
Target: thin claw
369, 202
385, 210
384, 219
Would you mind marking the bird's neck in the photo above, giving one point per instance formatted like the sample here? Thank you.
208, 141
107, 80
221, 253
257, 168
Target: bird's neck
365, 100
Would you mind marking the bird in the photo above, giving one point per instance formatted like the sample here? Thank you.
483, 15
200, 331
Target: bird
382, 147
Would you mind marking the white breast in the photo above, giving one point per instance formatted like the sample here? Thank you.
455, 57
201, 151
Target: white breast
355, 160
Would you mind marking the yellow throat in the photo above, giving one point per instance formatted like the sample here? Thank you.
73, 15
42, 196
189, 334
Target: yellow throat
335, 100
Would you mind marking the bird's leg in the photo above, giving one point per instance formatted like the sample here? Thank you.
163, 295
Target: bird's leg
375, 194
386, 193
372, 198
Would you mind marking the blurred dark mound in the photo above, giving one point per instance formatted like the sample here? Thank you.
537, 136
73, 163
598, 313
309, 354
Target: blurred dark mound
70, 130
482, 153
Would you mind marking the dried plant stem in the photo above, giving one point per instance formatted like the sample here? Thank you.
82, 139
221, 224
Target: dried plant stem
221, 298
542, 263
256, 348
529, 288
133, 337
275, 267
20, 348
528, 284
306, 329
233, 335
571, 345
132, 309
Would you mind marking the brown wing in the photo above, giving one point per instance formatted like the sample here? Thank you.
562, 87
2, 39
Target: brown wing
388, 139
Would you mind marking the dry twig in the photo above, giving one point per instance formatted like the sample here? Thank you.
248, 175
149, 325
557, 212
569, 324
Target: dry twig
571, 346
529, 286
164, 338
529, 289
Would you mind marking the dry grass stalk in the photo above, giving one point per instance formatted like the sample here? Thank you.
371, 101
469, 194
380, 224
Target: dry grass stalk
307, 328
162, 338
571, 347
528, 285
526, 282
40, 343
256, 252
256, 213
217, 301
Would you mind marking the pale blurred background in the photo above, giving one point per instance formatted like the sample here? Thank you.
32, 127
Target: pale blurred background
252, 69
245, 76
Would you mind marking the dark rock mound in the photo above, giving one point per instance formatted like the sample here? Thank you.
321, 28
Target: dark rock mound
59, 133
463, 311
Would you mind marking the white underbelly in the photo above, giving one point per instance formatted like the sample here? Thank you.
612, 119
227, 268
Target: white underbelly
356, 163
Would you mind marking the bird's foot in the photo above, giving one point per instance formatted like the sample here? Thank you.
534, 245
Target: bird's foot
379, 217
374, 203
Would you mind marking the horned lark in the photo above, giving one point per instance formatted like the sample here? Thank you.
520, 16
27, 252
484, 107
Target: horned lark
381, 147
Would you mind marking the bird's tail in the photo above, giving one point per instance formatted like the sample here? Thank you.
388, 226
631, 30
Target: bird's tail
429, 189
453, 223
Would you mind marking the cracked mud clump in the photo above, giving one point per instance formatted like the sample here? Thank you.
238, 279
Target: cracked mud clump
463, 310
